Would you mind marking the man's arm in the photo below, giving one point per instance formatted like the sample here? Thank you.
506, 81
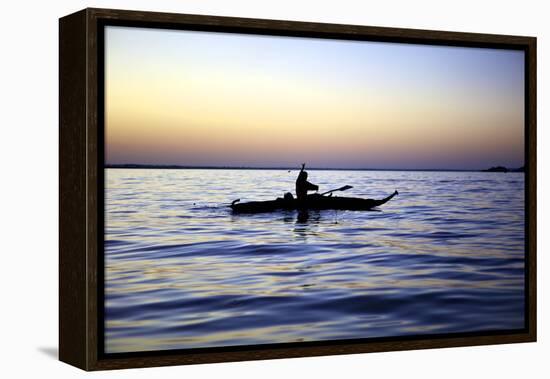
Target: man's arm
312, 187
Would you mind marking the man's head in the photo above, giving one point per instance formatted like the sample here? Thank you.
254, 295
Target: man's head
302, 175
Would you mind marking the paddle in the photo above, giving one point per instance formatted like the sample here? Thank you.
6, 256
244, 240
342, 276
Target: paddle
344, 188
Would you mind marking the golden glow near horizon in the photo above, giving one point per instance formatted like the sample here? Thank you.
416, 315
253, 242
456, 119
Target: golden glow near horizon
213, 99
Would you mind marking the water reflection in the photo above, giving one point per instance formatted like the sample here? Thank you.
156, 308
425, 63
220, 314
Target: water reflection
306, 224
182, 271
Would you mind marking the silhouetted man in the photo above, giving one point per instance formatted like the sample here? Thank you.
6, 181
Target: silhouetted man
302, 185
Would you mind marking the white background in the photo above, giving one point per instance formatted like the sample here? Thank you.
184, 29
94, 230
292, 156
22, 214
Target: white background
29, 215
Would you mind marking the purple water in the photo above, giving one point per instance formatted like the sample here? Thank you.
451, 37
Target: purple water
446, 255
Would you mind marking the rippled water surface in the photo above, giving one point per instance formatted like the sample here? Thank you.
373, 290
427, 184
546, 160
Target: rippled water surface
181, 271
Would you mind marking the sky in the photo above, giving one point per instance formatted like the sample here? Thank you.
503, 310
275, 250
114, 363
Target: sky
218, 99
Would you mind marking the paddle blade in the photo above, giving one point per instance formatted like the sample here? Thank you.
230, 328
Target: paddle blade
337, 189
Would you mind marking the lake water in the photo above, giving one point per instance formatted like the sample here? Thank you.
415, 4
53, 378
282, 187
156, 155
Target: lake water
181, 271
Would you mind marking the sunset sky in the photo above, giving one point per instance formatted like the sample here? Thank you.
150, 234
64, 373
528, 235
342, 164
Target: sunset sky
214, 99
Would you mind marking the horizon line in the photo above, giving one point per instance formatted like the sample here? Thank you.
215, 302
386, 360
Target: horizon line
214, 167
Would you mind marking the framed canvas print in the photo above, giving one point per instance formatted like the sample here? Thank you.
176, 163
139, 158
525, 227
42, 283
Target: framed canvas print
237, 189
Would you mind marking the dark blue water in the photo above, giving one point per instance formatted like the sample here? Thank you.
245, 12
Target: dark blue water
445, 256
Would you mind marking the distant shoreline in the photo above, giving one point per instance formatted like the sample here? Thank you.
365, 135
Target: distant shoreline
182, 167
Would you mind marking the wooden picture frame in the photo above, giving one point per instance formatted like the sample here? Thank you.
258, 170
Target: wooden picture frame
81, 186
